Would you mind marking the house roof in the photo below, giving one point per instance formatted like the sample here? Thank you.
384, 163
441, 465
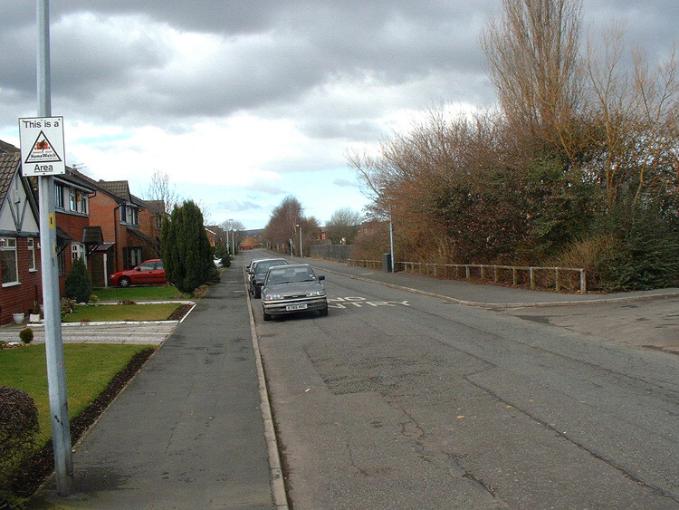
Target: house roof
118, 188
156, 206
7, 147
9, 162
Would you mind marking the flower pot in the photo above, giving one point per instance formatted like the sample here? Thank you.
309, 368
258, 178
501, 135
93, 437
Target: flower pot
34, 317
18, 318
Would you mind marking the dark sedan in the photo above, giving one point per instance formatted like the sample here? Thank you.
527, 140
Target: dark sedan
293, 288
258, 273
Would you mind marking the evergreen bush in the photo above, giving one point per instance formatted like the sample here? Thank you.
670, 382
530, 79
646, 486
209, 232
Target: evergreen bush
78, 285
26, 335
187, 253
18, 430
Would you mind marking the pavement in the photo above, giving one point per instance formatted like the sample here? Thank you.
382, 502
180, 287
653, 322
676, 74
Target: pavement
188, 431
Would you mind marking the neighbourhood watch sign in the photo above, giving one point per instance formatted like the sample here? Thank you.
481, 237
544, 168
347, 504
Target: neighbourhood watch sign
42, 146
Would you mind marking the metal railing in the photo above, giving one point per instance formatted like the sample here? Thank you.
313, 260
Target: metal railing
534, 276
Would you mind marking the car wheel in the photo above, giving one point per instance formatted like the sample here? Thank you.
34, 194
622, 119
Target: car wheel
258, 293
267, 317
324, 312
124, 282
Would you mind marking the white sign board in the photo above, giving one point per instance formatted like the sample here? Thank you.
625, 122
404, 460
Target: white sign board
42, 146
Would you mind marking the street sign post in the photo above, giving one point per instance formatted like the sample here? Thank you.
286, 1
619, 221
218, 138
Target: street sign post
42, 154
42, 146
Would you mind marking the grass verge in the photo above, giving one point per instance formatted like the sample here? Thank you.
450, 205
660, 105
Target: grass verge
92, 313
138, 293
95, 373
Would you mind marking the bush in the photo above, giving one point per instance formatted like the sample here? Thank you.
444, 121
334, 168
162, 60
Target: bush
187, 253
26, 335
18, 430
67, 306
648, 257
78, 285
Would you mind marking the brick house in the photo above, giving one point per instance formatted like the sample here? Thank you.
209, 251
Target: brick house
20, 290
119, 214
74, 232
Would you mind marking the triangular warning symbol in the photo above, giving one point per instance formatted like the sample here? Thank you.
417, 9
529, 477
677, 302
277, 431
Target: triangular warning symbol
42, 151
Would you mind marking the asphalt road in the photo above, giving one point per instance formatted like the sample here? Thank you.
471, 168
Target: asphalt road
398, 400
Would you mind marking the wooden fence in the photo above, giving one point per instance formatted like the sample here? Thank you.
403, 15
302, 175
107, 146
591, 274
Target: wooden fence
533, 276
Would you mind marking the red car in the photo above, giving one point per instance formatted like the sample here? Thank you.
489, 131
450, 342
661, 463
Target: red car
148, 272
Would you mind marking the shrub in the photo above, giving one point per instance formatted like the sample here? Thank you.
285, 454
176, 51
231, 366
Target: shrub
78, 285
187, 253
26, 335
67, 306
18, 430
648, 257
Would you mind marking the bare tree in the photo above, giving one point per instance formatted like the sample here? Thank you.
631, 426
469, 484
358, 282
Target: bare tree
533, 56
343, 226
161, 189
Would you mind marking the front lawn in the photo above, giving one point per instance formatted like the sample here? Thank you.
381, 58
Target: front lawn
94, 313
138, 293
89, 368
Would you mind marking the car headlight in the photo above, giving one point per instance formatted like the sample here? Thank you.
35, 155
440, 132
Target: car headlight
313, 293
272, 297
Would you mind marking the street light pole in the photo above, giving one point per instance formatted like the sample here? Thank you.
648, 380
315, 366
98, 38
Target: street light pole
54, 347
391, 243
301, 250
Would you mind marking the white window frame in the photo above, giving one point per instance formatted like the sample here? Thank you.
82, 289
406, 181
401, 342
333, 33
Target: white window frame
30, 242
78, 251
5, 246
58, 195
83, 203
72, 200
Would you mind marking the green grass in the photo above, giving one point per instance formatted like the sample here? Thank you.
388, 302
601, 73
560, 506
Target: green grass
89, 369
138, 293
92, 313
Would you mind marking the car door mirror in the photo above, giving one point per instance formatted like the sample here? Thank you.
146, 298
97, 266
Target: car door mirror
321, 278
137, 268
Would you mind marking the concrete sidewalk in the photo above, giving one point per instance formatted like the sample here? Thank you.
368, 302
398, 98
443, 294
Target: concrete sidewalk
188, 431
485, 295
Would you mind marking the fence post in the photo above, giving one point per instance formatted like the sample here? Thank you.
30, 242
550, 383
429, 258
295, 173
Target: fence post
531, 277
435, 275
583, 282
514, 280
467, 273
495, 274
556, 275
483, 272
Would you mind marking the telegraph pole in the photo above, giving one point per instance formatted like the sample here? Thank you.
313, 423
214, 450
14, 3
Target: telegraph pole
54, 347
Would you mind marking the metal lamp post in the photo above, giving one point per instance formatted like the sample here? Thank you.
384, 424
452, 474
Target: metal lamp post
301, 251
54, 348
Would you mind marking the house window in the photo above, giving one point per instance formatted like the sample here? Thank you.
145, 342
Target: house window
83, 203
59, 195
133, 257
8, 261
31, 255
72, 200
78, 252
123, 214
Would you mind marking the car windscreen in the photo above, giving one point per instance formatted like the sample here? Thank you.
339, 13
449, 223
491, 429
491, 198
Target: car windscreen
263, 266
281, 275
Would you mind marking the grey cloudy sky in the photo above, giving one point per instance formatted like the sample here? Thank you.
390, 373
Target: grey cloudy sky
243, 102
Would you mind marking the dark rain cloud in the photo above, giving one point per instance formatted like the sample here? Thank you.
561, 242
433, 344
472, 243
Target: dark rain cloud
273, 58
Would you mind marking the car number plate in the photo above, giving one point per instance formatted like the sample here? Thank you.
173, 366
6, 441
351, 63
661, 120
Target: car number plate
300, 306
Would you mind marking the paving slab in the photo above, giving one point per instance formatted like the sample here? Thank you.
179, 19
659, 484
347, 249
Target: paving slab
188, 431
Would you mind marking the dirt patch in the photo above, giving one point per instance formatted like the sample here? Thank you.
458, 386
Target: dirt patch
179, 313
40, 465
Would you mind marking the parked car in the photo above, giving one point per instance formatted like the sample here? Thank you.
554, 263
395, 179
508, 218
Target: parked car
258, 273
291, 289
149, 272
